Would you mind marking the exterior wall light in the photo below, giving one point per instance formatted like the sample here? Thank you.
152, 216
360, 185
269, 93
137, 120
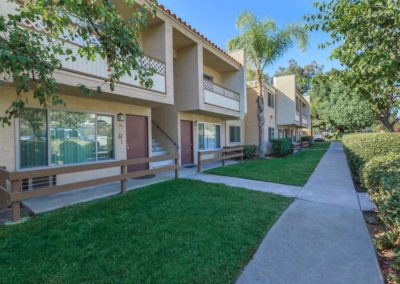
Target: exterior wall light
120, 117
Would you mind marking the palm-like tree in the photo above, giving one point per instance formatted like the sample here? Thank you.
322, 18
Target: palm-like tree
263, 43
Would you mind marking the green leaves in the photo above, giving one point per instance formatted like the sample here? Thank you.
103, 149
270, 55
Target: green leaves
368, 38
96, 27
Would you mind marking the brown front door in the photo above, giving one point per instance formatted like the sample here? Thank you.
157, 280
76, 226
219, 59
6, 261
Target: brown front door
137, 142
186, 142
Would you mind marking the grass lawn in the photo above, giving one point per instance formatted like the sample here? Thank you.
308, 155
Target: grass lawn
294, 169
178, 231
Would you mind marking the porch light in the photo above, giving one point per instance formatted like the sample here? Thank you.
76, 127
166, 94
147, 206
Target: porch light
120, 117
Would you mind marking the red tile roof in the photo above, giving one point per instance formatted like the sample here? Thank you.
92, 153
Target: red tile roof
162, 7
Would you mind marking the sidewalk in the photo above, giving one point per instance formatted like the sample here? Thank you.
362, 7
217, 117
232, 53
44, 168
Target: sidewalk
322, 237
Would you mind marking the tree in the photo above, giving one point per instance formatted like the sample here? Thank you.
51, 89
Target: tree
263, 43
368, 45
303, 74
336, 107
29, 57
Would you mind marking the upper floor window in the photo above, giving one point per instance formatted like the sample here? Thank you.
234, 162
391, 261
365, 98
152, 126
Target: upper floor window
59, 137
271, 100
234, 134
208, 77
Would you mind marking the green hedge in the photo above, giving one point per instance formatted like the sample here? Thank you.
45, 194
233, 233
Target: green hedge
381, 176
309, 139
249, 151
361, 148
375, 158
282, 146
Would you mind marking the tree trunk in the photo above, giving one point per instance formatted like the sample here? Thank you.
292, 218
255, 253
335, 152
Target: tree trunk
260, 118
385, 120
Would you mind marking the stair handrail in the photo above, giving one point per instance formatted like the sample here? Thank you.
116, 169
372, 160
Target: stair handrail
166, 134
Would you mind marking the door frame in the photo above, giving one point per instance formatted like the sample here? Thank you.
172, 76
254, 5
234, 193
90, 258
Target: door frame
192, 139
147, 135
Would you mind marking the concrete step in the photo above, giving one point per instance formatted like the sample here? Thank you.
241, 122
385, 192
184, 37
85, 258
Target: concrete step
159, 153
161, 164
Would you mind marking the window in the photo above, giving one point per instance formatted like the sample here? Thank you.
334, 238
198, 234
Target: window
33, 138
209, 136
281, 133
271, 134
271, 100
234, 134
208, 77
58, 137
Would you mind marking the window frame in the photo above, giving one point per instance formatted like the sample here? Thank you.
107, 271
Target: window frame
270, 102
198, 135
240, 134
49, 164
271, 130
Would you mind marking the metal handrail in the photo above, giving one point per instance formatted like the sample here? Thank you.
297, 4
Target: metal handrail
166, 134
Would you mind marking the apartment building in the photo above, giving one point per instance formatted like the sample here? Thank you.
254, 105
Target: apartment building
286, 111
196, 102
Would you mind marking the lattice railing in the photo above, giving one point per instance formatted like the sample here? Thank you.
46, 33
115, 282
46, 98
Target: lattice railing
147, 62
212, 87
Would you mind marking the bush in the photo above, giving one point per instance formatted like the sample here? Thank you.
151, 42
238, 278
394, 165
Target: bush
381, 176
249, 151
361, 148
308, 139
282, 146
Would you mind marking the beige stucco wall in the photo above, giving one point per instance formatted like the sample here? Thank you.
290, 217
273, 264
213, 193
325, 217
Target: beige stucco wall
202, 118
251, 121
239, 123
8, 139
286, 103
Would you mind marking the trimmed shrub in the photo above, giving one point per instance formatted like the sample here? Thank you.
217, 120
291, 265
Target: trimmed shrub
249, 151
361, 148
282, 146
308, 139
381, 176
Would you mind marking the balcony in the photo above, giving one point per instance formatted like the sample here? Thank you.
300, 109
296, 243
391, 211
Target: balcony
217, 95
304, 120
297, 116
98, 69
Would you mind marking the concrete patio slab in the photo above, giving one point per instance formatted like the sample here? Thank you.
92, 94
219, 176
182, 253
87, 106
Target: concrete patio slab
322, 237
56, 201
365, 202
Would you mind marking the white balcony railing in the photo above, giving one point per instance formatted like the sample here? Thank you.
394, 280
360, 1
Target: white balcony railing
297, 116
217, 95
98, 68
304, 120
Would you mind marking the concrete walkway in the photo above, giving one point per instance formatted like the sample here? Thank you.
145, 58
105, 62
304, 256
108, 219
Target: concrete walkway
59, 200
322, 237
281, 189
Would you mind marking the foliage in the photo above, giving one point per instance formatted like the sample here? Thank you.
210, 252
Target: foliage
367, 37
381, 176
263, 43
30, 57
336, 107
249, 151
308, 139
251, 75
363, 147
304, 74
211, 230
282, 146
293, 169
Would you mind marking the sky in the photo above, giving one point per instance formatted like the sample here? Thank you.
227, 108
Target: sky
216, 20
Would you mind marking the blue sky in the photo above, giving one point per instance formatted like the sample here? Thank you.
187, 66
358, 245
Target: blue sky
216, 20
